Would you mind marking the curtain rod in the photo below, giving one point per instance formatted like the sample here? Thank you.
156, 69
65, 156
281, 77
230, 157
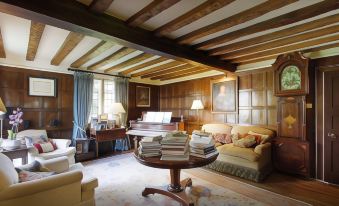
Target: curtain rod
113, 75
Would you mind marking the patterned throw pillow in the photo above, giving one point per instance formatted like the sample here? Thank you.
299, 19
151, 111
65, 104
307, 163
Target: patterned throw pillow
45, 147
263, 137
222, 138
30, 141
25, 176
245, 141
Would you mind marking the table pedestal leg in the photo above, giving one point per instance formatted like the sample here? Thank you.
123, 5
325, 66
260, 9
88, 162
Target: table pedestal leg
175, 190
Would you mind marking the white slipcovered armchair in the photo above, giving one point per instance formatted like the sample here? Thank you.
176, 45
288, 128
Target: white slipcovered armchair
66, 188
63, 147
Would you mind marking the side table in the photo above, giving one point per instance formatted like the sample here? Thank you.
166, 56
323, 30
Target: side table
21, 152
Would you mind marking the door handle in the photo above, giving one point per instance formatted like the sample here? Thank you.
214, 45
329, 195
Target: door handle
332, 135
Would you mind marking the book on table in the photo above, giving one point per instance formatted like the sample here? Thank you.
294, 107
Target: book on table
202, 146
175, 147
150, 146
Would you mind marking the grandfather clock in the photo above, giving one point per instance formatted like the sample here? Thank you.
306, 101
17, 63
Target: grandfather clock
291, 147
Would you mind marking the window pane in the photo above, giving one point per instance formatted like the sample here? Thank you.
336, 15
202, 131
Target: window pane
96, 98
109, 97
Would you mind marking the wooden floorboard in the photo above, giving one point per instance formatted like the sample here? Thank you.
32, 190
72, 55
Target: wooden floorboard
309, 191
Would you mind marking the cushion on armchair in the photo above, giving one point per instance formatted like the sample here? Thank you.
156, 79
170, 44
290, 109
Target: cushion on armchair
45, 147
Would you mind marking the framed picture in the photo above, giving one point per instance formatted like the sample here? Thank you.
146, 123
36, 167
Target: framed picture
143, 96
78, 147
43, 87
224, 95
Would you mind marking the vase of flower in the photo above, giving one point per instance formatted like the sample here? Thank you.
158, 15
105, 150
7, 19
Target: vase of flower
15, 120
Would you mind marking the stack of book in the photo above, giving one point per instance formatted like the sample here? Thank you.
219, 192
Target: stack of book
202, 145
174, 147
150, 146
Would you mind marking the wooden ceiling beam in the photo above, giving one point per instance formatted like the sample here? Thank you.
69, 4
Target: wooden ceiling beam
2, 48
35, 34
320, 48
283, 42
143, 65
287, 49
100, 6
167, 71
151, 10
158, 68
258, 60
174, 72
191, 16
94, 52
184, 74
234, 20
129, 62
71, 41
283, 20
74, 16
315, 49
111, 58
276, 35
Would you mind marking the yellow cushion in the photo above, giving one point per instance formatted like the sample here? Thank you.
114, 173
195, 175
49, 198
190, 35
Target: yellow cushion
245, 153
217, 128
245, 129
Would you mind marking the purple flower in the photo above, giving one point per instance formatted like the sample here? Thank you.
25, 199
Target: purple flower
16, 118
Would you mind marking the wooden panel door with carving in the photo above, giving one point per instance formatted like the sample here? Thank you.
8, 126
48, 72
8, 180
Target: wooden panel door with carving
331, 127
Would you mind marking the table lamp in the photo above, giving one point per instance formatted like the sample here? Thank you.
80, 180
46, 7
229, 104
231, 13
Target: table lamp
3, 111
197, 104
118, 109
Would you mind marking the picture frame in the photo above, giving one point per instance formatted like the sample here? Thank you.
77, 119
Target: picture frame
143, 96
42, 87
79, 148
224, 95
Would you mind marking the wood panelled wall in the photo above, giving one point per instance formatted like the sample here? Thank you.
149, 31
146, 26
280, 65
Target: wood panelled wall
39, 111
257, 104
134, 112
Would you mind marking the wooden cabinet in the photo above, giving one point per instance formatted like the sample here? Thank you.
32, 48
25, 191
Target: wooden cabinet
291, 156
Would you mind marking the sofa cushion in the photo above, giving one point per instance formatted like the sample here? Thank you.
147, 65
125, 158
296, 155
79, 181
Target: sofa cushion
245, 129
26, 176
245, 153
58, 153
263, 137
217, 128
45, 147
222, 138
245, 142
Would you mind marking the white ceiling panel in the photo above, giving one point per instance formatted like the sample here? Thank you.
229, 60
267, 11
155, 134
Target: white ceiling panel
123, 9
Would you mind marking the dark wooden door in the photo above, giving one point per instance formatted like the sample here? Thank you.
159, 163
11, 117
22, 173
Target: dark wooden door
331, 126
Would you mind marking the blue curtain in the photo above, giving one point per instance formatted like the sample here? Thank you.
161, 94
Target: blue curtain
82, 102
121, 92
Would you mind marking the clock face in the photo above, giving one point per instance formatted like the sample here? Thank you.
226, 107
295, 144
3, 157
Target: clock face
290, 78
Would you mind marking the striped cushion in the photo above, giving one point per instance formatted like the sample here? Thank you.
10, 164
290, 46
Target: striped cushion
45, 147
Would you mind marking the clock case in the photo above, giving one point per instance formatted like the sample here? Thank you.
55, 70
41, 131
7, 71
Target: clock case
291, 148
282, 62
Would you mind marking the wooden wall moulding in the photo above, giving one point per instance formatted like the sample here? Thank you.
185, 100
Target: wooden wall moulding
292, 117
291, 74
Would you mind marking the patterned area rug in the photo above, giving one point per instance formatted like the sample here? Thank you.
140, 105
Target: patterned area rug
122, 179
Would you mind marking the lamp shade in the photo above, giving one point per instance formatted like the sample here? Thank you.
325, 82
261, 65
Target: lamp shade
197, 104
2, 107
117, 108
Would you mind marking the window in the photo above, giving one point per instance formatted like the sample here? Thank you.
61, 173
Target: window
103, 97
